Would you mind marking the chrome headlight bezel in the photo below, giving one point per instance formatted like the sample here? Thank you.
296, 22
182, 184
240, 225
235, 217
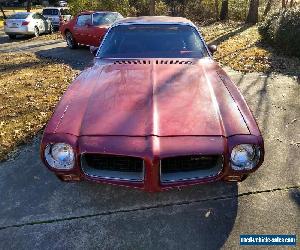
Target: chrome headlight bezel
245, 156
60, 156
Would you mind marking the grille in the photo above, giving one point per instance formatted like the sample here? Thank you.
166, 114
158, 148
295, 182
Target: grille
190, 167
113, 166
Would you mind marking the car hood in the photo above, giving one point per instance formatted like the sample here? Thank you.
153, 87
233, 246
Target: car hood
149, 97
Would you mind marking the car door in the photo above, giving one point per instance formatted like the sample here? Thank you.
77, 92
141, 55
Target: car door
80, 29
97, 31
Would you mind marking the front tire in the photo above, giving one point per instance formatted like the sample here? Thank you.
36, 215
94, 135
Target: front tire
70, 40
12, 36
36, 32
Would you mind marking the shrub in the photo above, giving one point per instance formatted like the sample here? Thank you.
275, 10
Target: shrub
282, 31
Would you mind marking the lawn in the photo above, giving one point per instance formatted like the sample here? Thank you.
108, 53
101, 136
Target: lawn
30, 87
240, 47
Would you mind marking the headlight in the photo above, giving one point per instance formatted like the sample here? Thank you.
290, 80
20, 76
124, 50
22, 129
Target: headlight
60, 156
244, 156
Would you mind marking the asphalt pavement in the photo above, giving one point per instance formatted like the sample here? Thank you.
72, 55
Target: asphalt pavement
37, 211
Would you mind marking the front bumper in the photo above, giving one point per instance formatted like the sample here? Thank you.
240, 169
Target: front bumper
152, 150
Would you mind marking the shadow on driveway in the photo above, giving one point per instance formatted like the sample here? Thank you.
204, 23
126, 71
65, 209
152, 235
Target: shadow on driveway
78, 59
202, 215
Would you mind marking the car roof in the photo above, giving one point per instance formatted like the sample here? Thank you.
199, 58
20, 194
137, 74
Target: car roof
154, 20
92, 12
23, 12
55, 8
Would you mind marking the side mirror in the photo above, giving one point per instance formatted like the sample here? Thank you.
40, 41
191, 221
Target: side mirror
93, 50
212, 48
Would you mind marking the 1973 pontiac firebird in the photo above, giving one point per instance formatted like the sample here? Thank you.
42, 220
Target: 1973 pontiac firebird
153, 112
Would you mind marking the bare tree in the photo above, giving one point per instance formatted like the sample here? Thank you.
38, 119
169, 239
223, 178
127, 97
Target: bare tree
284, 3
224, 10
217, 9
1, 8
28, 8
152, 7
252, 16
268, 7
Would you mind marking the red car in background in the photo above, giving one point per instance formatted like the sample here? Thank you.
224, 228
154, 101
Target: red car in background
88, 28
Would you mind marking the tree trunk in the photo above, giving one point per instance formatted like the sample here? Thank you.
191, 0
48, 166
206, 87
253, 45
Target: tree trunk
224, 10
152, 7
28, 5
283, 4
292, 3
1, 8
252, 16
268, 7
217, 9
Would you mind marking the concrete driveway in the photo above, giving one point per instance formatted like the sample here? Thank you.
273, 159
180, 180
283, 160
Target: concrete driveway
37, 211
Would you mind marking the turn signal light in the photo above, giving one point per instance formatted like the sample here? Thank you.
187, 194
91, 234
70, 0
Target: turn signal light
25, 23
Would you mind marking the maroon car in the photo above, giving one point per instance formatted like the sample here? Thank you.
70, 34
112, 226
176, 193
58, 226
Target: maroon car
154, 112
88, 28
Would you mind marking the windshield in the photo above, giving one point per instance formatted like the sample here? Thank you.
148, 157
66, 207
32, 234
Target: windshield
19, 16
103, 18
50, 12
152, 41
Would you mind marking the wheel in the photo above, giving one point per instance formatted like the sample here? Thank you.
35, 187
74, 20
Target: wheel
51, 29
12, 36
36, 32
70, 40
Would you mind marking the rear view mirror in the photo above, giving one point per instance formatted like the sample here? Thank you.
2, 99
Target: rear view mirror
93, 50
212, 48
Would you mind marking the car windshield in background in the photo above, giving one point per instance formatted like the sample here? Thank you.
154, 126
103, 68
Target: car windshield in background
102, 19
50, 12
152, 41
19, 16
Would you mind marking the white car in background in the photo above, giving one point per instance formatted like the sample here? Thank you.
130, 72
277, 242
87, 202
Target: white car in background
57, 15
27, 23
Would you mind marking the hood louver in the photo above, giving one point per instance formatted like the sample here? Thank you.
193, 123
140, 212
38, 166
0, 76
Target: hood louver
156, 62
132, 62
173, 62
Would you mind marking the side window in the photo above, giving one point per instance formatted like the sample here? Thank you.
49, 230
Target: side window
83, 20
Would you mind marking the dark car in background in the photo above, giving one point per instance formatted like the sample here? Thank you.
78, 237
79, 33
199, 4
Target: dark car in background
88, 28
